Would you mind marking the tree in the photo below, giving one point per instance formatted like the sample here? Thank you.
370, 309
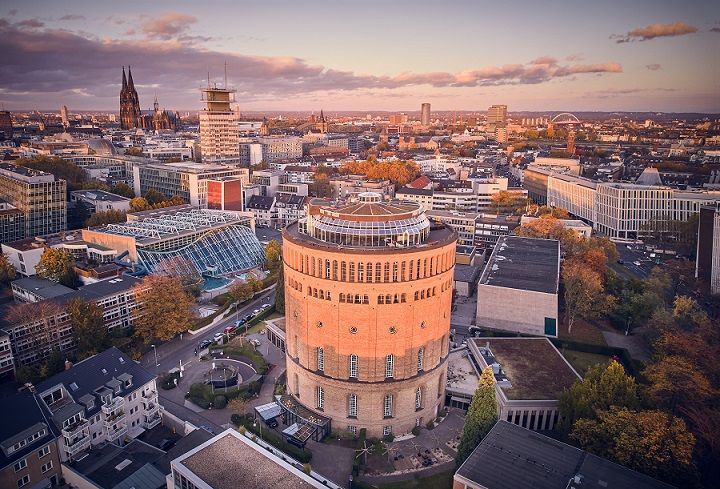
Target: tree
238, 406
604, 387
7, 271
675, 385
105, 217
280, 292
256, 284
242, 292
165, 309
123, 189
272, 254
481, 416
584, 295
139, 204
88, 326
154, 197
652, 442
58, 265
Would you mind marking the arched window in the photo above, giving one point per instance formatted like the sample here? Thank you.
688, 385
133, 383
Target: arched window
421, 359
353, 366
320, 359
418, 398
361, 272
352, 406
343, 271
386, 275
403, 298
335, 270
389, 366
369, 270
381, 299
387, 406
342, 297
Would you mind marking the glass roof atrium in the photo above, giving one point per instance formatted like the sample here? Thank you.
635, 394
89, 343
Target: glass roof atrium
367, 222
192, 241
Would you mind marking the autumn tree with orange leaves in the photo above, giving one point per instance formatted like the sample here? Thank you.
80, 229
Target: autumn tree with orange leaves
165, 308
398, 172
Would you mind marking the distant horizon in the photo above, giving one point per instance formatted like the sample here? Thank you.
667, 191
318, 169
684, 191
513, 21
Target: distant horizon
656, 56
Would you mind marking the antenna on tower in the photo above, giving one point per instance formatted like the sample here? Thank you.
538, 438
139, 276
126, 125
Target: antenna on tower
208, 77
225, 74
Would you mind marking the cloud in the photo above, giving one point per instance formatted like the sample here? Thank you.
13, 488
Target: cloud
72, 17
31, 23
58, 61
654, 67
615, 92
715, 29
168, 26
655, 30
574, 57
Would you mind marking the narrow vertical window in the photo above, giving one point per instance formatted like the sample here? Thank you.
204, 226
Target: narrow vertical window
387, 406
418, 398
320, 359
320, 398
389, 366
421, 360
352, 405
353, 367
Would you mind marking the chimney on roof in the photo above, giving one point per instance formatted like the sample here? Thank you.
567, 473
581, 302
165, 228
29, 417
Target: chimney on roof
68, 364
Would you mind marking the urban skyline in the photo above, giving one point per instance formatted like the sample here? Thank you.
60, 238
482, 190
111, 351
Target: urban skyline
298, 58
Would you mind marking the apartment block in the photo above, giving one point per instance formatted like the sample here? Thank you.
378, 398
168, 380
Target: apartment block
106, 398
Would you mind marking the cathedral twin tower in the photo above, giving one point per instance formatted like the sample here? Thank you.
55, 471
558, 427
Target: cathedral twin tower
130, 115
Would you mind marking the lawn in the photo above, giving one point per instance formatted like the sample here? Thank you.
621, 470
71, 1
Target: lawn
582, 361
443, 480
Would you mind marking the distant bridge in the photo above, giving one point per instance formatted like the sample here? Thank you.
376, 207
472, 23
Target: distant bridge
566, 119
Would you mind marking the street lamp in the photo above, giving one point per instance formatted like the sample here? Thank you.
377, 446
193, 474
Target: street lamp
259, 426
157, 364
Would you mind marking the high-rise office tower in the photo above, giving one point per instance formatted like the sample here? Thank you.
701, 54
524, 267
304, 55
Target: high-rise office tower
425, 114
64, 115
6, 126
219, 128
368, 288
497, 114
38, 195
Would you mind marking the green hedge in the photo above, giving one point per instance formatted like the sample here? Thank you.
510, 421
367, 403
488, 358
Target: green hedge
248, 351
201, 323
272, 437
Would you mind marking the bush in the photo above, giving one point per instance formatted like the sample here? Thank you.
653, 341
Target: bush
430, 425
388, 438
219, 402
222, 299
416, 431
444, 412
168, 382
307, 468
200, 402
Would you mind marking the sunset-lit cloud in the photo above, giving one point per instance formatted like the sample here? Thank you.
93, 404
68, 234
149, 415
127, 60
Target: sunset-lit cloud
654, 67
656, 30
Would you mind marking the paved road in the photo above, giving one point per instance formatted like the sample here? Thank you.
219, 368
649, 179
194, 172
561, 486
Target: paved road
183, 347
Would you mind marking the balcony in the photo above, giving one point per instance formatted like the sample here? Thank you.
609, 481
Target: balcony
76, 445
151, 422
114, 418
78, 428
116, 433
150, 395
115, 403
150, 408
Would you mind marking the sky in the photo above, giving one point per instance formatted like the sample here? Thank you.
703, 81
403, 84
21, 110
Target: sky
609, 55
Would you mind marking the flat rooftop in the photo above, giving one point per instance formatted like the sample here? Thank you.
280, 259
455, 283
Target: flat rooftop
524, 263
535, 369
512, 456
226, 460
461, 377
100, 195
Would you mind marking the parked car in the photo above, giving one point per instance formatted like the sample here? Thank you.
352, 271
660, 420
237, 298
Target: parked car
621, 262
265, 306
207, 428
636, 263
255, 342
228, 329
256, 312
240, 323
272, 423
205, 343
218, 336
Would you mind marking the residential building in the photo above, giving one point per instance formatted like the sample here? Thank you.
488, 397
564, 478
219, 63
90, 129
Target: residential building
511, 456
230, 457
368, 290
263, 209
219, 126
39, 196
289, 208
101, 201
29, 455
185, 179
707, 266
518, 290
183, 240
105, 398
530, 374
40, 323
